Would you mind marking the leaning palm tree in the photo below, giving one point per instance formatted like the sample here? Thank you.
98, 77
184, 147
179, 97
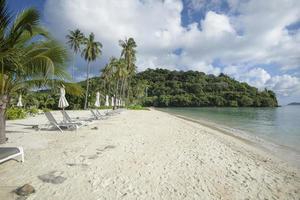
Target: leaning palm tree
29, 58
75, 39
91, 51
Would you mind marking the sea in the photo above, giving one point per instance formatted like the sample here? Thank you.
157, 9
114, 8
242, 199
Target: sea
277, 130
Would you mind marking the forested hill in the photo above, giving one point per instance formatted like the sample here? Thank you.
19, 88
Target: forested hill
192, 88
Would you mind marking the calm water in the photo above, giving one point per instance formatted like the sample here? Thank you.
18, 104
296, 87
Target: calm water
280, 126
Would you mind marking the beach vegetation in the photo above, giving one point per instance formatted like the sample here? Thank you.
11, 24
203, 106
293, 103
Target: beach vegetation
192, 88
15, 113
75, 40
117, 76
32, 111
137, 107
90, 52
29, 58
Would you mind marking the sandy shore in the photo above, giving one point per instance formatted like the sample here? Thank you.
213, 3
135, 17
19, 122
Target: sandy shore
142, 155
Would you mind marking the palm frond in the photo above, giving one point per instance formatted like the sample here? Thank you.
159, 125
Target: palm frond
25, 21
5, 19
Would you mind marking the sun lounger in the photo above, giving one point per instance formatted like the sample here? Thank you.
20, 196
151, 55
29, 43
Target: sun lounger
96, 116
113, 112
99, 113
54, 123
7, 153
70, 120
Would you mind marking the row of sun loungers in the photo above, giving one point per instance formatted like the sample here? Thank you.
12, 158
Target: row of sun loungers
7, 153
72, 124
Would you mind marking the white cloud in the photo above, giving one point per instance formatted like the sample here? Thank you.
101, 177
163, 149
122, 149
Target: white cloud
257, 77
215, 25
258, 35
283, 85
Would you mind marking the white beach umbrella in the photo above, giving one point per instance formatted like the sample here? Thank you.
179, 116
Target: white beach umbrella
97, 103
106, 100
119, 102
19, 104
62, 103
112, 101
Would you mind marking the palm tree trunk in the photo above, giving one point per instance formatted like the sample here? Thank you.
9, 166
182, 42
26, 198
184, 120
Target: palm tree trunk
87, 86
3, 103
116, 95
74, 58
122, 87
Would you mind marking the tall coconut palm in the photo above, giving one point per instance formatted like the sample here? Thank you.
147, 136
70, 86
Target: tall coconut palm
113, 74
107, 74
121, 75
129, 54
75, 39
91, 51
26, 60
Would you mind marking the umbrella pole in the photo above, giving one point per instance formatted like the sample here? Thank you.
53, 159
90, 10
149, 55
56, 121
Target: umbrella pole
64, 119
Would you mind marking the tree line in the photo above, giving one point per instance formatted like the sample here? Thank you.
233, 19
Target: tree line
163, 88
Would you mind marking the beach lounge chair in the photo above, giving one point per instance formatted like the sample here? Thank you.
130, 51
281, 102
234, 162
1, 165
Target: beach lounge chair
95, 115
54, 123
99, 113
113, 112
70, 120
7, 153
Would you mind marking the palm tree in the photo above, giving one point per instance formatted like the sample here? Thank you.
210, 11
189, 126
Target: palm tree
107, 74
129, 54
29, 58
113, 74
91, 51
75, 39
121, 75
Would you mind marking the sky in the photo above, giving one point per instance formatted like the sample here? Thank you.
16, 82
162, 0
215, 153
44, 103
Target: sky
253, 41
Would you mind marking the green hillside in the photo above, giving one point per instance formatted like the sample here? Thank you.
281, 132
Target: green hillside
192, 88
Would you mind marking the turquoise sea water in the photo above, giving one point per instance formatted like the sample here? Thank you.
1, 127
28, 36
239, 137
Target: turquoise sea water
279, 126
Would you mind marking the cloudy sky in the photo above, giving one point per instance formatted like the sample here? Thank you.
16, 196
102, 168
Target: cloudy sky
254, 41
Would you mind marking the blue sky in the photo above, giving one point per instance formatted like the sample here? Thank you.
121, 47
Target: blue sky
254, 41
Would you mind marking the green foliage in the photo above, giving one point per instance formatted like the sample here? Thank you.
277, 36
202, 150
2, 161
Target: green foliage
15, 113
192, 88
162, 88
136, 107
246, 101
233, 104
32, 111
46, 110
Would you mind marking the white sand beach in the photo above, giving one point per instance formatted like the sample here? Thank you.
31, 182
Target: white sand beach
142, 155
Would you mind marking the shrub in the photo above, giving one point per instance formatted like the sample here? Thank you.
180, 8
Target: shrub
46, 110
33, 111
233, 103
15, 113
136, 107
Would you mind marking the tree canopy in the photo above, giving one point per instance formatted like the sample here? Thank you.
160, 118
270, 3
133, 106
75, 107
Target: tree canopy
193, 88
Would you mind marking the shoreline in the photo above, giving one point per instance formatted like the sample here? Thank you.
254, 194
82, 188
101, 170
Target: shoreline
283, 153
142, 155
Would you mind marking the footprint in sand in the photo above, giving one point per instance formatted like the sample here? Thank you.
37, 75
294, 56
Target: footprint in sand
107, 147
52, 177
77, 164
